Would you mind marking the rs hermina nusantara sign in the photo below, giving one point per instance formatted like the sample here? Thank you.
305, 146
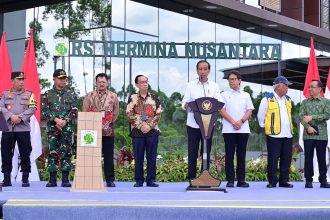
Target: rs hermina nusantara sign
148, 49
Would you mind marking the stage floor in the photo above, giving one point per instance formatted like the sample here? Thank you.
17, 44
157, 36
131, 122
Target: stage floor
168, 199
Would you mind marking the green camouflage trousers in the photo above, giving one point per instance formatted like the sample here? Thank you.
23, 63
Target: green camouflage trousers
60, 147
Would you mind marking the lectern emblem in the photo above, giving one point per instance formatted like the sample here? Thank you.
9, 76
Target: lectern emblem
206, 105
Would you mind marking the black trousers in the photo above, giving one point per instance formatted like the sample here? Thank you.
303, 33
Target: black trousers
107, 151
235, 142
321, 148
8, 142
194, 140
148, 144
279, 149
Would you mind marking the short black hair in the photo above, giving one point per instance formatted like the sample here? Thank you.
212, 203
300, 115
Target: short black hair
137, 78
236, 73
319, 83
203, 61
101, 75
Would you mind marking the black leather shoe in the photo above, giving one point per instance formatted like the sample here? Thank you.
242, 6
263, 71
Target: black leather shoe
5, 184
111, 184
269, 185
152, 184
243, 184
138, 184
285, 185
308, 185
325, 185
230, 184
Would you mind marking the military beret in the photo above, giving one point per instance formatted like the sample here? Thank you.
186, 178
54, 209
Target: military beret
59, 73
17, 75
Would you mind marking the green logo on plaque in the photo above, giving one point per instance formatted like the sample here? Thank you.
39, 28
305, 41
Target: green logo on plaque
88, 138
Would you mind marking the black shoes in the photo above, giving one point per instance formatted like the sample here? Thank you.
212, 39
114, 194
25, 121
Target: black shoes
52, 179
65, 179
308, 185
230, 184
6, 180
152, 184
325, 185
239, 184
242, 184
138, 184
285, 185
110, 184
269, 185
25, 179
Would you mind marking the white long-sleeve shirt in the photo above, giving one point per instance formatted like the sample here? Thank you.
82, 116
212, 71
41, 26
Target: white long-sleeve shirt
197, 90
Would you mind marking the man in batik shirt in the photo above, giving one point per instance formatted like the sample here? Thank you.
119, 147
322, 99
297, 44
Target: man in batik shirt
104, 101
143, 112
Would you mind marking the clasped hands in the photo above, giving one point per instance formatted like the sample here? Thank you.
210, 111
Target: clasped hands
15, 119
60, 123
145, 128
237, 124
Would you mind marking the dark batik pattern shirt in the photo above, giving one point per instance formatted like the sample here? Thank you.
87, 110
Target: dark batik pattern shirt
140, 110
319, 109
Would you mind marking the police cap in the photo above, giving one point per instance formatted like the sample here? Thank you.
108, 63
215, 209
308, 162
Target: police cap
17, 75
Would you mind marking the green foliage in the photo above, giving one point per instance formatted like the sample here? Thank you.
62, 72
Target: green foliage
42, 54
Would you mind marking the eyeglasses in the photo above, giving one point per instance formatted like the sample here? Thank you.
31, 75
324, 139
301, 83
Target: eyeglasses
144, 82
232, 79
313, 87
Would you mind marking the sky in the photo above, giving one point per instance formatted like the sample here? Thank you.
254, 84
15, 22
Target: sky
173, 72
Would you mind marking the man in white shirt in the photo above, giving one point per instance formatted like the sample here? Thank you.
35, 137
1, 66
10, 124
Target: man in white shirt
201, 87
236, 112
275, 116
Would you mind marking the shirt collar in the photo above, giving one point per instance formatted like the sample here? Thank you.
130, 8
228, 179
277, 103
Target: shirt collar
199, 82
233, 90
99, 93
148, 94
317, 99
60, 91
278, 97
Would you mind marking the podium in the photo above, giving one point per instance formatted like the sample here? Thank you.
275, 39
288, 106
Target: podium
88, 172
206, 110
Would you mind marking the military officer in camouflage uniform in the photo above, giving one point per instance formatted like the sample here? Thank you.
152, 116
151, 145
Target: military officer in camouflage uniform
59, 107
17, 105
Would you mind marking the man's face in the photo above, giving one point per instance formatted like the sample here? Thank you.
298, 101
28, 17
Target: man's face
142, 83
233, 81
60, 82
101, 83
282, 89
203, 70
313, 89
18, 84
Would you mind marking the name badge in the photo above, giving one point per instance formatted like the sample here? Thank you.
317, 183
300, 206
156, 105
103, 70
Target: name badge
103, 114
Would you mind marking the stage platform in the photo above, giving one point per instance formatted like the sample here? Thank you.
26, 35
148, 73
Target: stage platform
169, 201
